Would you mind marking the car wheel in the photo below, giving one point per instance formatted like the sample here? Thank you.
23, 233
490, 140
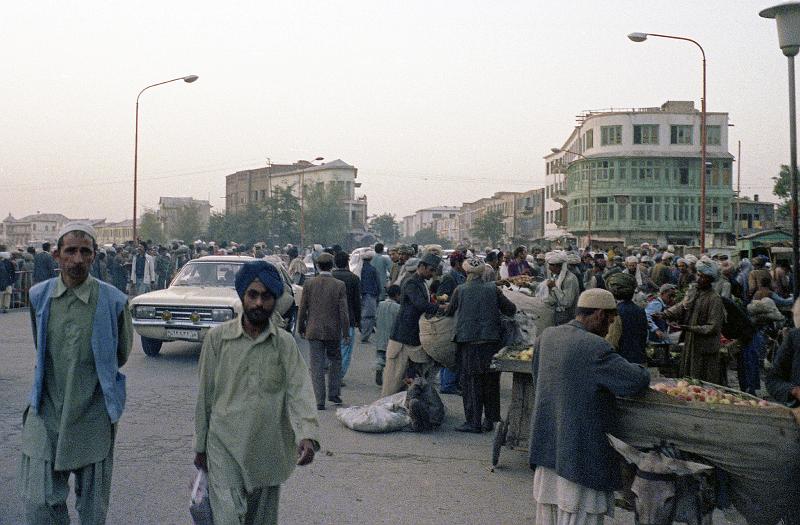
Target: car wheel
151, 347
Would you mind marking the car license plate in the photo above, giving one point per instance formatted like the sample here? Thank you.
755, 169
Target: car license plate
191, 335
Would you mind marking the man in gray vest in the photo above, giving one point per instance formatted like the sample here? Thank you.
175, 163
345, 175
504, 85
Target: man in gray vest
82, 331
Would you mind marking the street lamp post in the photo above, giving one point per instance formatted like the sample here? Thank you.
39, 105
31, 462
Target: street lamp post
188, 79
303, 205
641, 37
589, 194
788, 18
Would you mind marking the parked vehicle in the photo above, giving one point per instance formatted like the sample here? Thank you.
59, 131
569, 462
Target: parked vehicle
201, 296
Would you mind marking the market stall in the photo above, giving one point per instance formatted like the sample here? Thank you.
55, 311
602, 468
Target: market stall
756, 443
514, 430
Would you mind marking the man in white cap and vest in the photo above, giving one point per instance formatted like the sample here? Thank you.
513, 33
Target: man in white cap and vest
82, 331
563, 288
576, 377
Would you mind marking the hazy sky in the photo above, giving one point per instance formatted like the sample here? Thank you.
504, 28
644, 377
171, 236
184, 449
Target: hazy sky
433, 102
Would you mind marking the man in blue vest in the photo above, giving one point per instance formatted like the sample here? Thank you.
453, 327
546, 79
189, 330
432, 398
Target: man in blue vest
83, 334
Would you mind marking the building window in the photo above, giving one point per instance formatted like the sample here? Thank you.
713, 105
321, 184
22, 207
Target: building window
684, 174
713, 135
680, 134
610, 135
588, 138
645, 134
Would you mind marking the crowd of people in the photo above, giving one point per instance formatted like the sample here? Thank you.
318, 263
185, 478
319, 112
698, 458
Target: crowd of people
255, 416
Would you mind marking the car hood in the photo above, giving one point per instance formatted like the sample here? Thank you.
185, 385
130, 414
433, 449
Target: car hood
191, 296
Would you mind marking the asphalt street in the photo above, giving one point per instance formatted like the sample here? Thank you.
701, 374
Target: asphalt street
398, 478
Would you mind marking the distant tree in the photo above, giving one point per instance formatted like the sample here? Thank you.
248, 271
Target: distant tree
247, 226
386, 228
150, 227
489, 227
783, 190
428, 236
187, 224
282, 216
326, 221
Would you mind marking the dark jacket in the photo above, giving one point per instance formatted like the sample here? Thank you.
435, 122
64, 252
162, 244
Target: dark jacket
413, 303
633, 342
323, 309
785, 372
353, 285
44, 267
576, 376
450, 281
7, 274
369, 280
477, 306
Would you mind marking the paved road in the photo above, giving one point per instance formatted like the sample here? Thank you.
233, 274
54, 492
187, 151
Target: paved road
438, 477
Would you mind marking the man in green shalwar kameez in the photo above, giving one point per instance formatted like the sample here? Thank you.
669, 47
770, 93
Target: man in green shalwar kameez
82, 330
256, 415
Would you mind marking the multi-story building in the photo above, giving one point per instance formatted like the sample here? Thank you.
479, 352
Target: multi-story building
114, 232
244, 188
522, 212
636, 173
31, 229
753, 215
425, 218
170, 208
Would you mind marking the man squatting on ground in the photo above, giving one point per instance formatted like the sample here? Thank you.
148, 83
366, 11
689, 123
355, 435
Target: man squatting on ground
255, 416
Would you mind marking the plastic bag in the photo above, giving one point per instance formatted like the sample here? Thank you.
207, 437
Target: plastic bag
199, 505
387, 414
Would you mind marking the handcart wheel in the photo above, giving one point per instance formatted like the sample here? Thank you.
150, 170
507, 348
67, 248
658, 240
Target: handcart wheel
499, 441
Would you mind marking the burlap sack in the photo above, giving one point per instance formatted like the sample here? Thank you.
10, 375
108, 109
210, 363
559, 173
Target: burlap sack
436, 335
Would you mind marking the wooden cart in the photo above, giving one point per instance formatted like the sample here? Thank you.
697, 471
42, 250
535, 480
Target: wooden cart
514, 430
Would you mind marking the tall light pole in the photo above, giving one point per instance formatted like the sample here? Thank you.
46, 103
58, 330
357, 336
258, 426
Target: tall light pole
303, 204
641, 37
788, 18
589, 193
188, 79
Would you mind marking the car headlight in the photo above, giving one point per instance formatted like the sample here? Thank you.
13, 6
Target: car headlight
221, 314
145, 312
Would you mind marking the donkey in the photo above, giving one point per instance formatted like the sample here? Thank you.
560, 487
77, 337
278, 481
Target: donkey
668, 489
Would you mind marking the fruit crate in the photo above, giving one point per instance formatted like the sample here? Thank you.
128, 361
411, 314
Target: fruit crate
757, 446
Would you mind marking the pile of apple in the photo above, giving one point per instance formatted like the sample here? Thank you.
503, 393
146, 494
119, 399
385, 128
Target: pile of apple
685, 391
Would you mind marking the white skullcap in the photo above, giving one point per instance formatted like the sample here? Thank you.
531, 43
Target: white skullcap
78, 226
631, 259
597, 298
473, 265
690, 259
573, 258
667, 255
557, 257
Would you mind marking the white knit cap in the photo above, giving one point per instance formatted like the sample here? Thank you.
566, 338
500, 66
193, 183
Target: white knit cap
78, 226
597, 298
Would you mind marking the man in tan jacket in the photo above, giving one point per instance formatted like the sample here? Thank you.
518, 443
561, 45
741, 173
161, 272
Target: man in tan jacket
323, 320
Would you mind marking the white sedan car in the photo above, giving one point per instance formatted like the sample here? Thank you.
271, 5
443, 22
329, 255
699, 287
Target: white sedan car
201, 296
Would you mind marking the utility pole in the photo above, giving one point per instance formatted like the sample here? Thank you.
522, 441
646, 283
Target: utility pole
739, 191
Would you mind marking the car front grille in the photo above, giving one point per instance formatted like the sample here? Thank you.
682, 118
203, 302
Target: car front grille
180, 313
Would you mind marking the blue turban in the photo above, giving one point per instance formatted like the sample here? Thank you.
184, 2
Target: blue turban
265, 272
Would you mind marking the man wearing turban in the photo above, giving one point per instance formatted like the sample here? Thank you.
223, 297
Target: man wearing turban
563, 288
628, 333
255, 417
701, 316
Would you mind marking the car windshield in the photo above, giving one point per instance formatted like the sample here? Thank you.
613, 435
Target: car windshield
207, 274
